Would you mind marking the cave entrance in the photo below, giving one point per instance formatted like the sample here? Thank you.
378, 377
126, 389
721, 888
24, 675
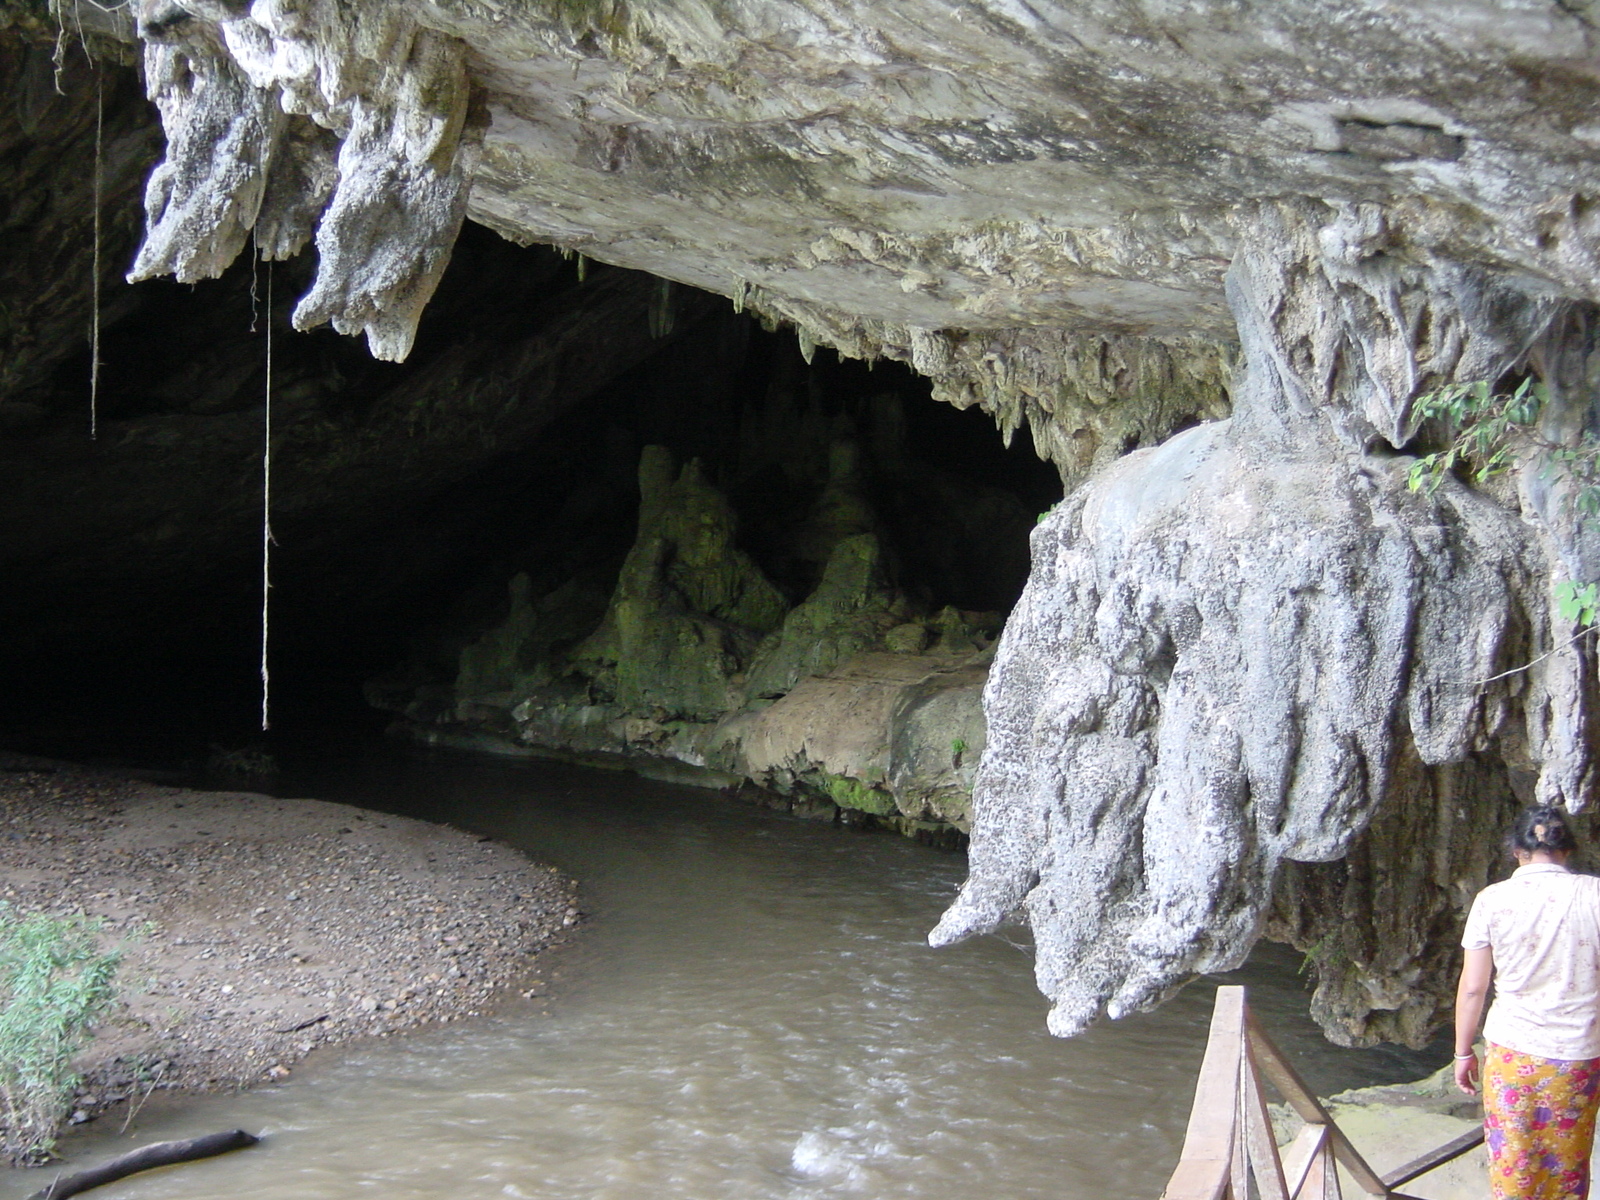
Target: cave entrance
407, 497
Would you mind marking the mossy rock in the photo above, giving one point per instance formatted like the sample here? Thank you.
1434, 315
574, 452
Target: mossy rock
516, 655
855, 794
850, 611
689, 606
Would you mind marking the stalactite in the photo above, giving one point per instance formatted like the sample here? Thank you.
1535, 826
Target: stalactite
1243, 649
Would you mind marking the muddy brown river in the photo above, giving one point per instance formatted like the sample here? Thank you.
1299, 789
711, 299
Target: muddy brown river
750, 1013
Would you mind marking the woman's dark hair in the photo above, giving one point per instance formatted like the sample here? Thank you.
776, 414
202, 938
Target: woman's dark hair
1540, 829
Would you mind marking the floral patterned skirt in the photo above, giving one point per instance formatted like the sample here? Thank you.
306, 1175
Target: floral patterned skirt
1538, 1117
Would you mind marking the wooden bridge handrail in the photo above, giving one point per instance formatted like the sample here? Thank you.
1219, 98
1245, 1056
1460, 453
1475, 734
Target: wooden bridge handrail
1206, 1164
1229, 1139
1422, 1164
1303, 1100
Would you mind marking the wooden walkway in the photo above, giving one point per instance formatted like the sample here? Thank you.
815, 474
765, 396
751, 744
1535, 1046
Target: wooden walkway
1229, 1150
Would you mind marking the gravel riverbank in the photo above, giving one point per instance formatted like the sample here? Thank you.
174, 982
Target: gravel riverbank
255, 930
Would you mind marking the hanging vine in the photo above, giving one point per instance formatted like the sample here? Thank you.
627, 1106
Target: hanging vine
266, 522
94, 326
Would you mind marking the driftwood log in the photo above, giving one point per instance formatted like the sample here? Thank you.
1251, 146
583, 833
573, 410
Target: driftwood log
161, 1154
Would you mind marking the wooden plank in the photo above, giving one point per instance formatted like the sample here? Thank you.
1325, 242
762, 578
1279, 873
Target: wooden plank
1302, 1153
1239, 1161
1197, 1179
1314, 1185
1299, 1097
1264, 1161
1421, 1165
1206, 1163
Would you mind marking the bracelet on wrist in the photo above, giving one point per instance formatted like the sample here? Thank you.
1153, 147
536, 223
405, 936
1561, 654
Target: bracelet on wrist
1468, 1054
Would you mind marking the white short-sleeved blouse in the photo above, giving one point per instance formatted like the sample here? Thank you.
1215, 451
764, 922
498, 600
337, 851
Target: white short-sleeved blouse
1543, 927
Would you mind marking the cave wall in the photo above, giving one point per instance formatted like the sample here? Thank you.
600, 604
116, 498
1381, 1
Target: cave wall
134, 557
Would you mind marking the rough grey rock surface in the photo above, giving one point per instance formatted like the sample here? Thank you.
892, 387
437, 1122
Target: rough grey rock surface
243, 92
1238, 648
1033, 203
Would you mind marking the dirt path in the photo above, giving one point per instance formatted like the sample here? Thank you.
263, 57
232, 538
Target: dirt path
255, 930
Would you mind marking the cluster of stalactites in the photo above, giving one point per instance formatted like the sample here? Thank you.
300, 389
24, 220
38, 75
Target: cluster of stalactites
288, 119
1238, 648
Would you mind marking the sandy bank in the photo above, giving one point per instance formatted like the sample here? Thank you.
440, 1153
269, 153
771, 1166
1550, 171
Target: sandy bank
256, 930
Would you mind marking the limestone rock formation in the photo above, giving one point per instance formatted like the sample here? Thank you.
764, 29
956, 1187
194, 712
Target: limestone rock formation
1032, 204
247, 97
884, 734
1236, 650
852, 610
689, 605
672, 673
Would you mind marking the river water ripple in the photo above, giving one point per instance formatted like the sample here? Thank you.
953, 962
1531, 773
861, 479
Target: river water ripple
750, 1013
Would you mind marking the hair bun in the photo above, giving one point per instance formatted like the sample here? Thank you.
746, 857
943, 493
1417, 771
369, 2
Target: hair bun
1542, 828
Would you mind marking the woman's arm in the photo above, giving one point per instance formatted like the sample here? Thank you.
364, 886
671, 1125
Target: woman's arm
1477, 968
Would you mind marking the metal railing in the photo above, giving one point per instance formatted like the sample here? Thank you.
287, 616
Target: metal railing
1229, 1150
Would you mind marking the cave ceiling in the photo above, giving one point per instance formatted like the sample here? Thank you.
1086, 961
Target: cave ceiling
1034, 205
979, 164
983, 164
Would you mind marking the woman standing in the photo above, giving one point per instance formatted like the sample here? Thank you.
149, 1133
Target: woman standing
1537, 935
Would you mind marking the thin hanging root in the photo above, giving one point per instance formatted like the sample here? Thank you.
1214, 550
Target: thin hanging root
661, 314
266, 520
94, 328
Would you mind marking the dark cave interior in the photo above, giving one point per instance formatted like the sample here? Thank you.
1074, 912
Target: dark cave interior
405, 496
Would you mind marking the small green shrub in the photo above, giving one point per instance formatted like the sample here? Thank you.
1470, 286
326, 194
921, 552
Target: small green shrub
1578, 602
1490, 431
245, 760
54, 981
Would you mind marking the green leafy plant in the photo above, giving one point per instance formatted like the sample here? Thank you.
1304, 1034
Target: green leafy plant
1578, 602
55, 980
244, 760
1491, 429
1323, 953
